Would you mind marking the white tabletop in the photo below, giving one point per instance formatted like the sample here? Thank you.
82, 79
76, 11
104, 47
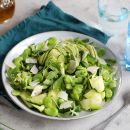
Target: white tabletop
86, 11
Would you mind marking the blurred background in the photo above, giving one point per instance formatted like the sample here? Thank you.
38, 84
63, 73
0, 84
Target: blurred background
77, 8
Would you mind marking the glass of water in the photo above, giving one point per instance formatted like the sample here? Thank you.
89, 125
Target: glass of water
113, 15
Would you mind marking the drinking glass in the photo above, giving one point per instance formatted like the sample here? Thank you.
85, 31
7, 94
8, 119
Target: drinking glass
113, 15
7, 8
127, 49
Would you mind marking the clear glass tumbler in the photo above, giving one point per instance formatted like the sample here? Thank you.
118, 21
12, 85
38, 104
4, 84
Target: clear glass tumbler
113, 15
127, 49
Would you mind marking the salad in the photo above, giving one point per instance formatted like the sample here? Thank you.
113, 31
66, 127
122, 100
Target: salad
62, 77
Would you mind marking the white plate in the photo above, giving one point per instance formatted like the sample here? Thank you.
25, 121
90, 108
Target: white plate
19, 48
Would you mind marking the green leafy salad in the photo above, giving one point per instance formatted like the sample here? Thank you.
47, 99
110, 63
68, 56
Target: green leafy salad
62, 77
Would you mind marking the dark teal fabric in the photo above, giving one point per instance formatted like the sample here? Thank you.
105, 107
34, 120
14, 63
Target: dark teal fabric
48, 18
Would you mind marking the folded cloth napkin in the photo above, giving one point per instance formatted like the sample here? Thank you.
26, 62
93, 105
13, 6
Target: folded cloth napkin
48, 18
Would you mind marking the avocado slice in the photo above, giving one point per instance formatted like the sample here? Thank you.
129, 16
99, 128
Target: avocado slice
37, 99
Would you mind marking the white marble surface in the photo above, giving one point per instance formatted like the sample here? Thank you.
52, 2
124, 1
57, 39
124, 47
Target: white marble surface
21, 120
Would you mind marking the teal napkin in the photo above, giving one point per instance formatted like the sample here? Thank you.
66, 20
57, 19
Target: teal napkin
48, 18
